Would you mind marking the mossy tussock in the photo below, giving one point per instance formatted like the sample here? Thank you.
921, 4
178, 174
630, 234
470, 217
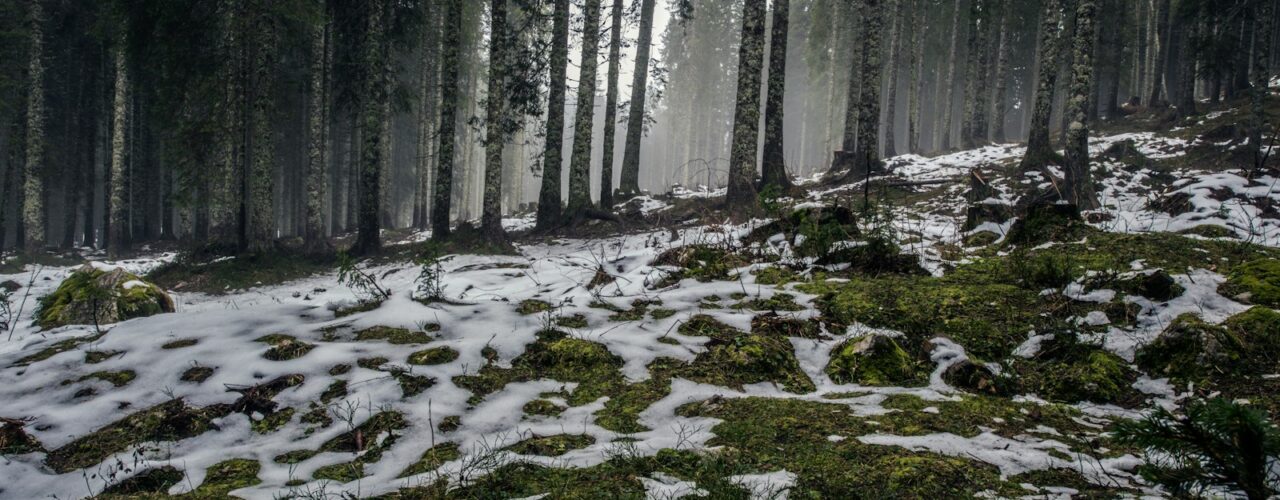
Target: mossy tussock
551, 446
91, 296
734, 358
1255, 282
875, 360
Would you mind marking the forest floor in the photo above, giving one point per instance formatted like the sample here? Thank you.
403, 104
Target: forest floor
816, 353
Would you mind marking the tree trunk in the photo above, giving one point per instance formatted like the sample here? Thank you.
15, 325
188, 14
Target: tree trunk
1263, 26
741, 196
549, 204
580, 160
611, 107
1001, 98
942, 138
630, 182
919, 32
1079, 187
1039, 149
774, 168
891, 100
260, 230
854, 91
1162, 55
116, 223
972, 127
867, 155
318, 132
372, 124
449, 83
495, 124
33, 209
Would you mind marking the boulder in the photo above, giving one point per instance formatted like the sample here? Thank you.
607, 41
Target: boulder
96, 296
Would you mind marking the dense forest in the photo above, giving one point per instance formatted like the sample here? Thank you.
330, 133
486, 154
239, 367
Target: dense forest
639, 248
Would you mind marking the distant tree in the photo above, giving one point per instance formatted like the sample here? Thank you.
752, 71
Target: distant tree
1263, 30
549, 204
318, 133
741, 195
496, 123
919, 32
896, 8
1162, 55
946, 101
115, 233
1001, 98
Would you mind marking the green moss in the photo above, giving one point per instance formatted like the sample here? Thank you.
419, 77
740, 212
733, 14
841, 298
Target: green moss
775, 275
398, 336
1188, 349
432, 459
229, 475
15, 441
206, 273
433, 356
1258, 282
773, 324
273, 422
1259, 332
58, 347
980, 239
412, 385
542, 407
557, 357
876, 361
196, 374
295, 456
778, 302
450, 423
1076, 372
704, 263
358, 307
748, 359
1209, 231
95, 357
169, 421
343, 473
180, 343
93, 296
662, 313
336, 390
374, 363
284, 347
117, 378
577, 321
362, 437
155, 481
1047, 222
552, 446
533, 306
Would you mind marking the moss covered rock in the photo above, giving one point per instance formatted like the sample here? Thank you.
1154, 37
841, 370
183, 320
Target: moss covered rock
1189, 349
1255, 282
1042, 222
1069, 371
94, 296
1258, 330
874, 360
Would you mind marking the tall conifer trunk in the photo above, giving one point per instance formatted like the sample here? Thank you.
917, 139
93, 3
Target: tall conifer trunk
580, 159
629, 184
741, 194
549, 203
34, 215
774, 168
611, 106
449, 83
1079, 187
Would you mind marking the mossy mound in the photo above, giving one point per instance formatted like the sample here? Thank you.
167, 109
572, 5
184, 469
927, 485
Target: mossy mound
817, 229
93, 296
875, 256
432, 459
1068, 371
1188, 349
1259, 328
14, 440
1044, 222
734, 358
976, 377
552, 446
398, 336
874, 360
170, 421
772, 324
226, 476
1256, 282
533, 306
1157, 285
284, 347
555, 356
364, 436
156, 480
700, 262
433, 356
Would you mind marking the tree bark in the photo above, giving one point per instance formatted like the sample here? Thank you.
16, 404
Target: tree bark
318, 136
611, 106
449, 83
580, 160
374, 64
774, 168
33, 209
116, 223
1039, 149
1079, 187
549, 204
496, 124
629, 184
741, 195
867, 155
942, 138
1001, 98
973, 126
1162, 54
919, 32
891, 100
1263, 26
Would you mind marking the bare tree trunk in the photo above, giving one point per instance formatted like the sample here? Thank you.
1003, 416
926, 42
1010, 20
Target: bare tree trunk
549, 209
318, 131
611, 106
942, 137
260, 139
1039, 149
1079, 187
630, 182
580, 160
116, 223
449, 84
746, 116
1264, 24
374, 90
1001, 104
867, 156
1162, 56
919, 32
891, 100
854, 92
495, 125
33, 209
774, 168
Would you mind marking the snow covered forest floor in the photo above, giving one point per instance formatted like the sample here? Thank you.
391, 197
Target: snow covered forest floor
812, 352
